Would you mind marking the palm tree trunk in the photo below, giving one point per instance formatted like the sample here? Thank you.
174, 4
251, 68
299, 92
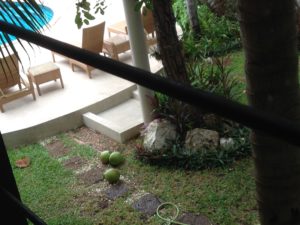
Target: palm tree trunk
268, 29
169, 46
193, 17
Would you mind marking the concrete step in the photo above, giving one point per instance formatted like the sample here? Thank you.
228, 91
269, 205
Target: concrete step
135, 94
114, 99
120, 123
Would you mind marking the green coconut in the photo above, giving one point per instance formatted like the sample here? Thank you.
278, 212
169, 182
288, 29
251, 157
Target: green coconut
116, 159
104, 157
112, 175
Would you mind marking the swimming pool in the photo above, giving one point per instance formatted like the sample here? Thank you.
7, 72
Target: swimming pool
11, 15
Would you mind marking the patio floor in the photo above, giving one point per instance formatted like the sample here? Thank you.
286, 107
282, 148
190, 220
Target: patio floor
26, 121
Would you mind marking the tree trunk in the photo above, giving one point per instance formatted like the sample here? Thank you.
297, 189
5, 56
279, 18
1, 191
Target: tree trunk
268, 29
217, 6
193, 17
169, 46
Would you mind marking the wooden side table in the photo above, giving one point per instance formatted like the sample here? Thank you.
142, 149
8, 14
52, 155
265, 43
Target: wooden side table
43, 73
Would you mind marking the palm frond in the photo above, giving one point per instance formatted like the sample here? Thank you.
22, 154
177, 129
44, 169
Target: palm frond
24, 13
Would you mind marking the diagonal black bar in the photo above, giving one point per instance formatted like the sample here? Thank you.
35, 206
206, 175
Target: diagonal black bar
20, 207
7, 181
256, 119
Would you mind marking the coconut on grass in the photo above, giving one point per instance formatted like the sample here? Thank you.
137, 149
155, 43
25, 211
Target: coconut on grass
116, 159
104, 157
112, 175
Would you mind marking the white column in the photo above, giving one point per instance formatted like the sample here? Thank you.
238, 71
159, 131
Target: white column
139, 53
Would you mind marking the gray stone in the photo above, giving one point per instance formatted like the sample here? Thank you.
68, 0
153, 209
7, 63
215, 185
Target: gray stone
147, 204
211, 120
57, 149
194, 219
74, 163
91, 176
159, 135
226, 142
116, 190
199, 139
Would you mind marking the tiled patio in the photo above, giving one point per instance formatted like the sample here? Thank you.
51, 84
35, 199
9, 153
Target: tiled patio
25, 120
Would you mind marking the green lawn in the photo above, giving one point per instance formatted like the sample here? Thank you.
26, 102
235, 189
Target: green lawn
225, 195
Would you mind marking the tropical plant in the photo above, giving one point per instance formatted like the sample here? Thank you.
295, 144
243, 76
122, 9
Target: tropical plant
214, 75
83, 11
219, 35
19, 13
183, 116
179, 156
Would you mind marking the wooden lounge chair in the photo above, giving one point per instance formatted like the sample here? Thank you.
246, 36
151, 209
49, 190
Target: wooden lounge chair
119, 43
92, 40
115, 45
12, 85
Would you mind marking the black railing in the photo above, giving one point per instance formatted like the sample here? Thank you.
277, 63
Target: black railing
256, 119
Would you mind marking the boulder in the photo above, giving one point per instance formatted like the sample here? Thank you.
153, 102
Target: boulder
226, 142
159, 136
199, 139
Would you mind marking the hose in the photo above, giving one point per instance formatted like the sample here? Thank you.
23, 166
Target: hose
169, 220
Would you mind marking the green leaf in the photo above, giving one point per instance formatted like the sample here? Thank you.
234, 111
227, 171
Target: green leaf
87, 22
88, 16
85, 5
138, 5
78, 20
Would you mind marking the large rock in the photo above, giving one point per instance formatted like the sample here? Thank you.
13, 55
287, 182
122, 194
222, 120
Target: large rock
199, 139
159, 136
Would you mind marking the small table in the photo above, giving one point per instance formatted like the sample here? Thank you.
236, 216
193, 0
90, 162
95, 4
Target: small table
43, 73
118, 28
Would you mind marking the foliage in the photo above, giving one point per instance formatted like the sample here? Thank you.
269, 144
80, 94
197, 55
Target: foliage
179, 113
140, 3
231, 9
214, 75
16, 14
219, 34
180, 157
83, 11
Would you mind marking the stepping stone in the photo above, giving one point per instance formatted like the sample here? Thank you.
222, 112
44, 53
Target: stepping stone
116, 190
147, 204
57, 149
194, 219
74, 163
92, 176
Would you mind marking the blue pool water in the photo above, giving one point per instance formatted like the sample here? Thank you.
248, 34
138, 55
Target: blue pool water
8, 17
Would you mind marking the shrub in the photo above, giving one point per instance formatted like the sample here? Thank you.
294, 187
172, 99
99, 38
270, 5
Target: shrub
219, 34
184, 116
214, 75
178, 157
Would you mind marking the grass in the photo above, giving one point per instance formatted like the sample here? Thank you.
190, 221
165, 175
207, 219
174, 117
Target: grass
46, 187
237, 63
225, 195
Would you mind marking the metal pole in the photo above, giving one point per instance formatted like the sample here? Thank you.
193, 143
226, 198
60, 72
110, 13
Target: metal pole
139, 51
